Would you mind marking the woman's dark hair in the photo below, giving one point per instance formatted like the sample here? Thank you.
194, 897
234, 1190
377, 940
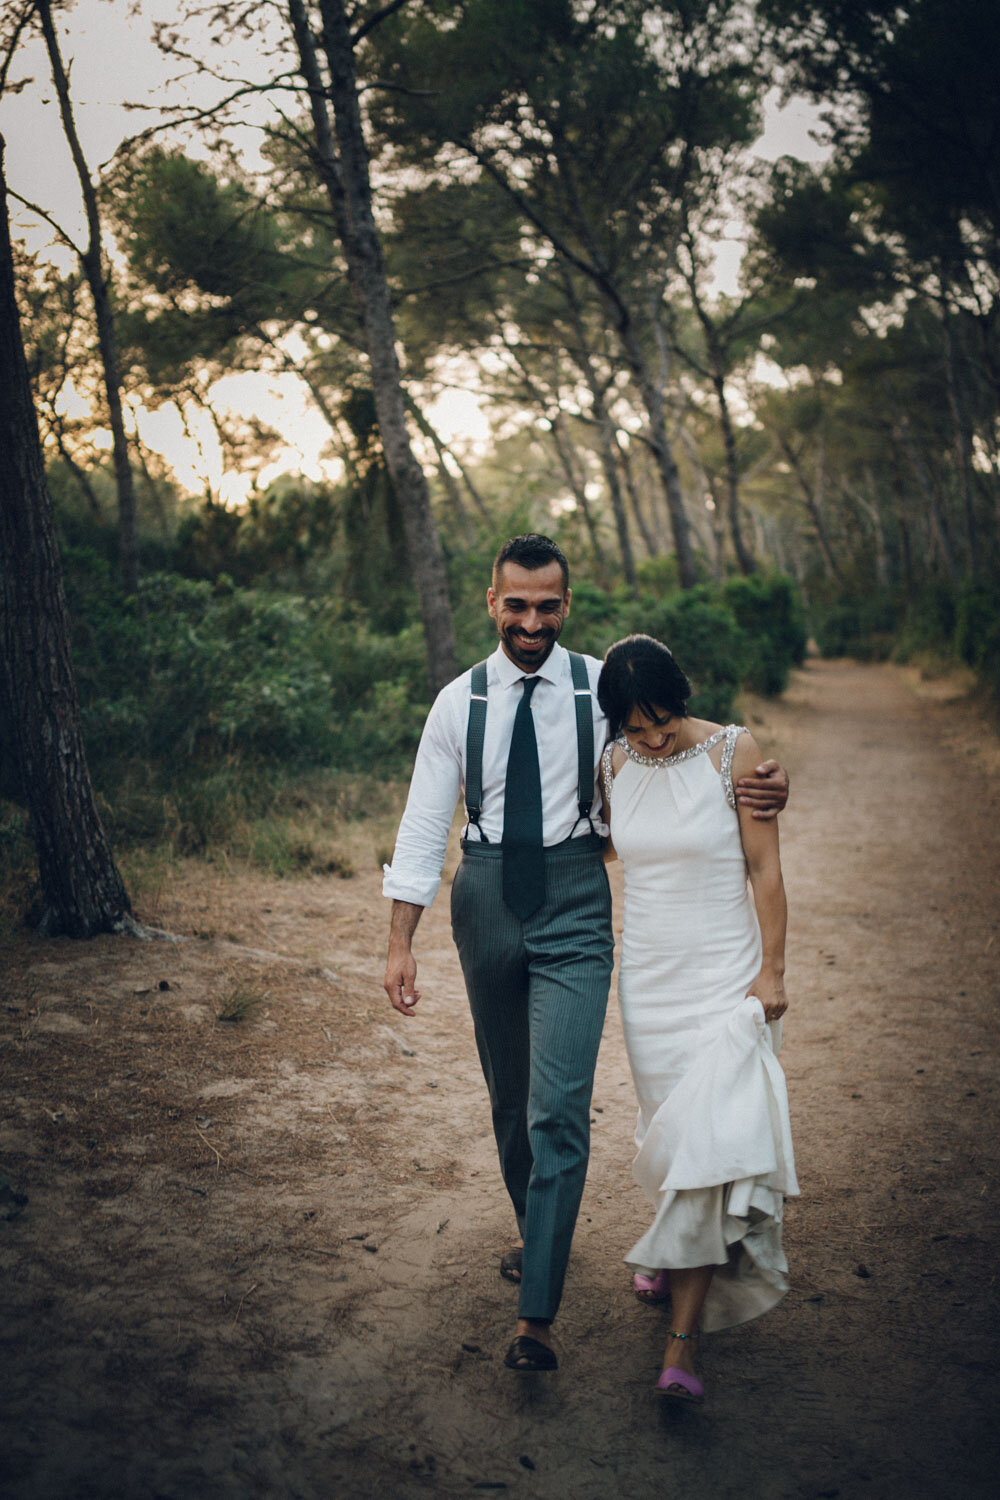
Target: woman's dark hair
640, 673
531, 551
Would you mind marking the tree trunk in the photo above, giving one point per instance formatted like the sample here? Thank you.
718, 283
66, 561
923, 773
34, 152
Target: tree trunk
92, 261
935, 512
447, 477
659, 441
83, 890
744, 556
812, 506
605, 436
579, 489
345, 172
624, 458
963, 438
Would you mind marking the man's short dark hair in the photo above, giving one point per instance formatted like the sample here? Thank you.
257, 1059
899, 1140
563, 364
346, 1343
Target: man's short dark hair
640, 673
531, 551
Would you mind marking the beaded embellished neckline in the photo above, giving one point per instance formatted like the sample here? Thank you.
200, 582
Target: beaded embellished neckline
671, 760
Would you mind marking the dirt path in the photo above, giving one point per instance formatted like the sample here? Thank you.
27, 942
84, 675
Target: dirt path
259, 1259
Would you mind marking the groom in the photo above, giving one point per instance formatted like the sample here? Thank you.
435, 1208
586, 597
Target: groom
530, 904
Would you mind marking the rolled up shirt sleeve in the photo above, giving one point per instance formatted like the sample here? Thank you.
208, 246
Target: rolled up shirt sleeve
415, 872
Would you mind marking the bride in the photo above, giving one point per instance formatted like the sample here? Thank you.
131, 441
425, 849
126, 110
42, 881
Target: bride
702, 993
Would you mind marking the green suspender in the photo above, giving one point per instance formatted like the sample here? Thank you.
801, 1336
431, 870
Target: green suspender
474, 740
584, 737
476, 736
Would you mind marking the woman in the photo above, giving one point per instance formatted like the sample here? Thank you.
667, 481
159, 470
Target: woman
702, 993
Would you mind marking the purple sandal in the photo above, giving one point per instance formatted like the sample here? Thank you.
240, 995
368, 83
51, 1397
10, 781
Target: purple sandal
677, 1383
651, 1288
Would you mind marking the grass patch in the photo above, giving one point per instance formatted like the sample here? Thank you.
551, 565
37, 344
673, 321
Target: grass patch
240, 1002
280, 824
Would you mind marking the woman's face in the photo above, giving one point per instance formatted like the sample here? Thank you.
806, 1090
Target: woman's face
652, 734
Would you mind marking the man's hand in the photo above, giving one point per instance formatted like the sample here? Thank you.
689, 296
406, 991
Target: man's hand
400, 980
401, 966
766, 792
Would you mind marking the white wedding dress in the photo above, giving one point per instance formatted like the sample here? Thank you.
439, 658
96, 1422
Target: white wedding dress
715, 1150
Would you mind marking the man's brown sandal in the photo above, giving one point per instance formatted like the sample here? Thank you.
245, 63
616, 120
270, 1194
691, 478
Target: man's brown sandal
510, 1265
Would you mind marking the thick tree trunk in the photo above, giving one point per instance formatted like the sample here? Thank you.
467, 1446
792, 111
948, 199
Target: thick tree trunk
83, 890
94, 270
345, 172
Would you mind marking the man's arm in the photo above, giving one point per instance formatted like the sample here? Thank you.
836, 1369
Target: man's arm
766, 792
412, 881
401, 966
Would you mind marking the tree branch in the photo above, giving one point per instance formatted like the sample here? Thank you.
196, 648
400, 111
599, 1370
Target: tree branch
15, 37
376, 19
60, 231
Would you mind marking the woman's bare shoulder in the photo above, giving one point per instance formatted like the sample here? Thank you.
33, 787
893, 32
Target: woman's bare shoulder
617, 757
747, 755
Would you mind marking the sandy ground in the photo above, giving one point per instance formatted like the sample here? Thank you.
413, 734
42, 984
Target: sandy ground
259, 1258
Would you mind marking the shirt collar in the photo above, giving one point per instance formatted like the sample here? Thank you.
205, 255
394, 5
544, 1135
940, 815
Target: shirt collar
553, 668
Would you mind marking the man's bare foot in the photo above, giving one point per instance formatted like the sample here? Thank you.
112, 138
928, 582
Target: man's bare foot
532, 1330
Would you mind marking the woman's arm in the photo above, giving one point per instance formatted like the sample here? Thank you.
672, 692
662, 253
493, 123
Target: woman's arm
760, 845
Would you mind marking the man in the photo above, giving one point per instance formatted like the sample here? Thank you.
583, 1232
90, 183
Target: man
531, 907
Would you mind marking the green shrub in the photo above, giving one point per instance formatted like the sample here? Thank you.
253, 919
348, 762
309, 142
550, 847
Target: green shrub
709, 645
928, 621
863, 626
977, 631
767, 610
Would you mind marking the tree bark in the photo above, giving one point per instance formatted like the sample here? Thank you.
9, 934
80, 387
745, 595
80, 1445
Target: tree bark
342, 156
94, 269
84, 893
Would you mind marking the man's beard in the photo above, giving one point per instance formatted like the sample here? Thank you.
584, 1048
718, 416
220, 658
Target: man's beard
529, 659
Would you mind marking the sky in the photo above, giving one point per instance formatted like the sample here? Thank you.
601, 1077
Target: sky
114, 63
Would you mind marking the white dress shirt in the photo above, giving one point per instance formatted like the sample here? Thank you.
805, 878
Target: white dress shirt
439, 771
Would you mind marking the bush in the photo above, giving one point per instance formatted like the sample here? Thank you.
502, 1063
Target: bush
709, 645
928, 621
862, 626
768, 612
192, 674
977, 631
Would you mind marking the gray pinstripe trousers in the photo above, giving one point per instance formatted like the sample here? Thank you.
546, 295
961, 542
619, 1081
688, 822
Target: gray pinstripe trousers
538, 990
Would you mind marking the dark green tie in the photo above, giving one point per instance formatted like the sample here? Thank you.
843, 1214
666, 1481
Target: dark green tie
523, 861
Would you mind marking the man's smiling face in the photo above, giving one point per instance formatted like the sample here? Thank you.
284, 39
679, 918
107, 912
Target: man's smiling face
529, 606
